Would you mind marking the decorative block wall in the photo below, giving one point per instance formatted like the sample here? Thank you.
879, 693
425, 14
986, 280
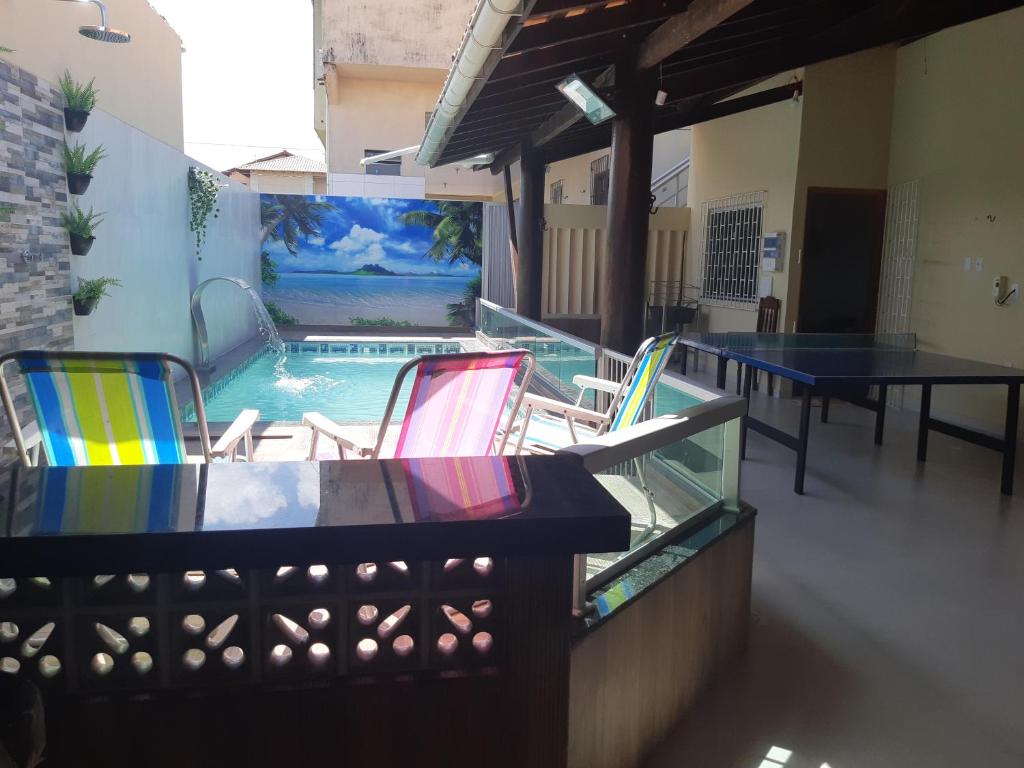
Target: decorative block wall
35, 294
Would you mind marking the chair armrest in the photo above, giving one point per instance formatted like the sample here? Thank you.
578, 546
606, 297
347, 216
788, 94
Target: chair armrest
592, 382
539, 403
240, 428
325, 426
30, 434
33, 440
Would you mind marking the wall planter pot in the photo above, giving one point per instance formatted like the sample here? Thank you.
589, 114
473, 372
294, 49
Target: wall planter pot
74, 119
83, 308
80, 245
79, 182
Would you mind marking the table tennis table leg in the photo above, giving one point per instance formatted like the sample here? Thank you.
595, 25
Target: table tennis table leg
723, 364
922, 423
883, 395
739, 378
686, 355
743, 427
801, 451
825, 402
1010, 438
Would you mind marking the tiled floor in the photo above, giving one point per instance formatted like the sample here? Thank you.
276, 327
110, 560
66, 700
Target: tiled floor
889, 608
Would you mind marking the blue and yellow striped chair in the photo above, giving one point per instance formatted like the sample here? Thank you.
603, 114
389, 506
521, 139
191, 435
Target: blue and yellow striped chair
551, 424
105, 408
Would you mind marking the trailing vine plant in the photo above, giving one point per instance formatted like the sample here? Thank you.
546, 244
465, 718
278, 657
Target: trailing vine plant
202, 196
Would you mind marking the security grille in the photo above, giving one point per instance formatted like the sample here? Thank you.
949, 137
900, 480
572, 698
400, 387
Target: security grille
599, 181
731, 229
899, 252
557, 195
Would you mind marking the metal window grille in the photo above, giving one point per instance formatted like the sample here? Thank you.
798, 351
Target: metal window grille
899, 252
557, 195
599, 181
392, 167
731, 230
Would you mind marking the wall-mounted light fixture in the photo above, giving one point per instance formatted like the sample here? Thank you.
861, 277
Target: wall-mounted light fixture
585, 99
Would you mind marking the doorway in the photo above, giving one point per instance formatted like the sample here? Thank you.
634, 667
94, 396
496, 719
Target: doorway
841, 262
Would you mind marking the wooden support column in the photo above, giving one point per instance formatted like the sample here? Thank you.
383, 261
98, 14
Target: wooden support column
529, 275
629, 192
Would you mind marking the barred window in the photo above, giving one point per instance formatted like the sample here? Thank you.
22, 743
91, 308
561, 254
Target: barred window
557, 195
599, 181
732, 228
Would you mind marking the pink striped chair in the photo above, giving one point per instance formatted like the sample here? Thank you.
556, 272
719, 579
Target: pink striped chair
455, 408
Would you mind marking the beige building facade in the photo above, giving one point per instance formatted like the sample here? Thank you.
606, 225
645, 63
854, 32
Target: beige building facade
380, 68
911, 122
139, 83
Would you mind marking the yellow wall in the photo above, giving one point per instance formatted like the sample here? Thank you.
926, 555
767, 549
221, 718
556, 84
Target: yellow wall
958, 123
370, 113
276, 182
669, 148
140, 82
844, 140
748, 152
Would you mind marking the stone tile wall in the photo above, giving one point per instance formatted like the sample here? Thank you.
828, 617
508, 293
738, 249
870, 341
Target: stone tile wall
35, 294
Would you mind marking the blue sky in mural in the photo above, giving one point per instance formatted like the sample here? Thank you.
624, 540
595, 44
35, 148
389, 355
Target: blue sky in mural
359, 231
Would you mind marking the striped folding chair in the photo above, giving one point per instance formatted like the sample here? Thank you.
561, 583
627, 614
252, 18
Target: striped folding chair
455, 408
104, 408
552, 424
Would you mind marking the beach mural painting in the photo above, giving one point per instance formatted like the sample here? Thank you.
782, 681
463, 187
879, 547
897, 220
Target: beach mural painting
383, 262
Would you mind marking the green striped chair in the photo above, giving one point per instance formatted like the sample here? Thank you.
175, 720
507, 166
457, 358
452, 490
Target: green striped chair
551, 424
104, 408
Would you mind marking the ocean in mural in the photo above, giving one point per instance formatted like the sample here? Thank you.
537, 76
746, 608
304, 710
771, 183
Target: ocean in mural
370, 261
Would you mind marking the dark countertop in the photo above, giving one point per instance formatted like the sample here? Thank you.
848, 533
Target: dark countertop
90, 520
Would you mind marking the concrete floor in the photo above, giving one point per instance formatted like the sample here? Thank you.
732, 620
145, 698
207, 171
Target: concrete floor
888, 608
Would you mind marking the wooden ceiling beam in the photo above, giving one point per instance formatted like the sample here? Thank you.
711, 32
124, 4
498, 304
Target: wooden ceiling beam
595, 21
700, 18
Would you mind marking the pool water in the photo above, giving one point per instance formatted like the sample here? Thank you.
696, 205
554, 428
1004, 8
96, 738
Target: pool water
348, 389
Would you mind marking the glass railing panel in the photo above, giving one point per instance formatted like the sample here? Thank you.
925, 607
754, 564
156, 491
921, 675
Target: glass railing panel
665, 489
558, 358
617, 592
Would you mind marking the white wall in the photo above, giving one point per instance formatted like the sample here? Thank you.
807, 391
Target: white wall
145, 242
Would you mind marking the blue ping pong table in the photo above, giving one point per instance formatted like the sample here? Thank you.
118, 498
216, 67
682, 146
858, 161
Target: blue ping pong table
843, 366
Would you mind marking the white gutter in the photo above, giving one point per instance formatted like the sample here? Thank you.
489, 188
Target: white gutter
389, 155
482, 38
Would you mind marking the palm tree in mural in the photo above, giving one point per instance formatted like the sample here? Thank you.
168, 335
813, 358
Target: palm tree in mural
464, 312
285, 217
458, 231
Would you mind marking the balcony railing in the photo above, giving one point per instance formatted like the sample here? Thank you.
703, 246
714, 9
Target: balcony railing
675, 471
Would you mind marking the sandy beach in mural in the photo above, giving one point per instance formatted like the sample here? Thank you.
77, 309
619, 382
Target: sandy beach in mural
326, 299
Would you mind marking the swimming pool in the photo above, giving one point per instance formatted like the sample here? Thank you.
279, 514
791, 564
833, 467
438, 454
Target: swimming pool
349, 382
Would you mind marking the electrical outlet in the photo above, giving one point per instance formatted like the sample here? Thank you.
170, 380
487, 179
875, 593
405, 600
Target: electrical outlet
978, 263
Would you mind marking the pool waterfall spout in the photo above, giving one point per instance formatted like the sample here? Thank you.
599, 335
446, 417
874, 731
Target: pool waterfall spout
265, 325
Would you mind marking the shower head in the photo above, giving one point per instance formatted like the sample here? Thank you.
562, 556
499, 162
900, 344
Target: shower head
102, 32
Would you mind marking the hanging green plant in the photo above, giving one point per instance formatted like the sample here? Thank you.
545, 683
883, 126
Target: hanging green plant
79, 101
79, 166
202, 196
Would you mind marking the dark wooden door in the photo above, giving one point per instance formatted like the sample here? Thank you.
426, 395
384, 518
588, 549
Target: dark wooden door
842, 255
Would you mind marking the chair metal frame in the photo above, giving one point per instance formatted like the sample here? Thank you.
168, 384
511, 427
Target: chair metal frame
528, 365
209, 453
